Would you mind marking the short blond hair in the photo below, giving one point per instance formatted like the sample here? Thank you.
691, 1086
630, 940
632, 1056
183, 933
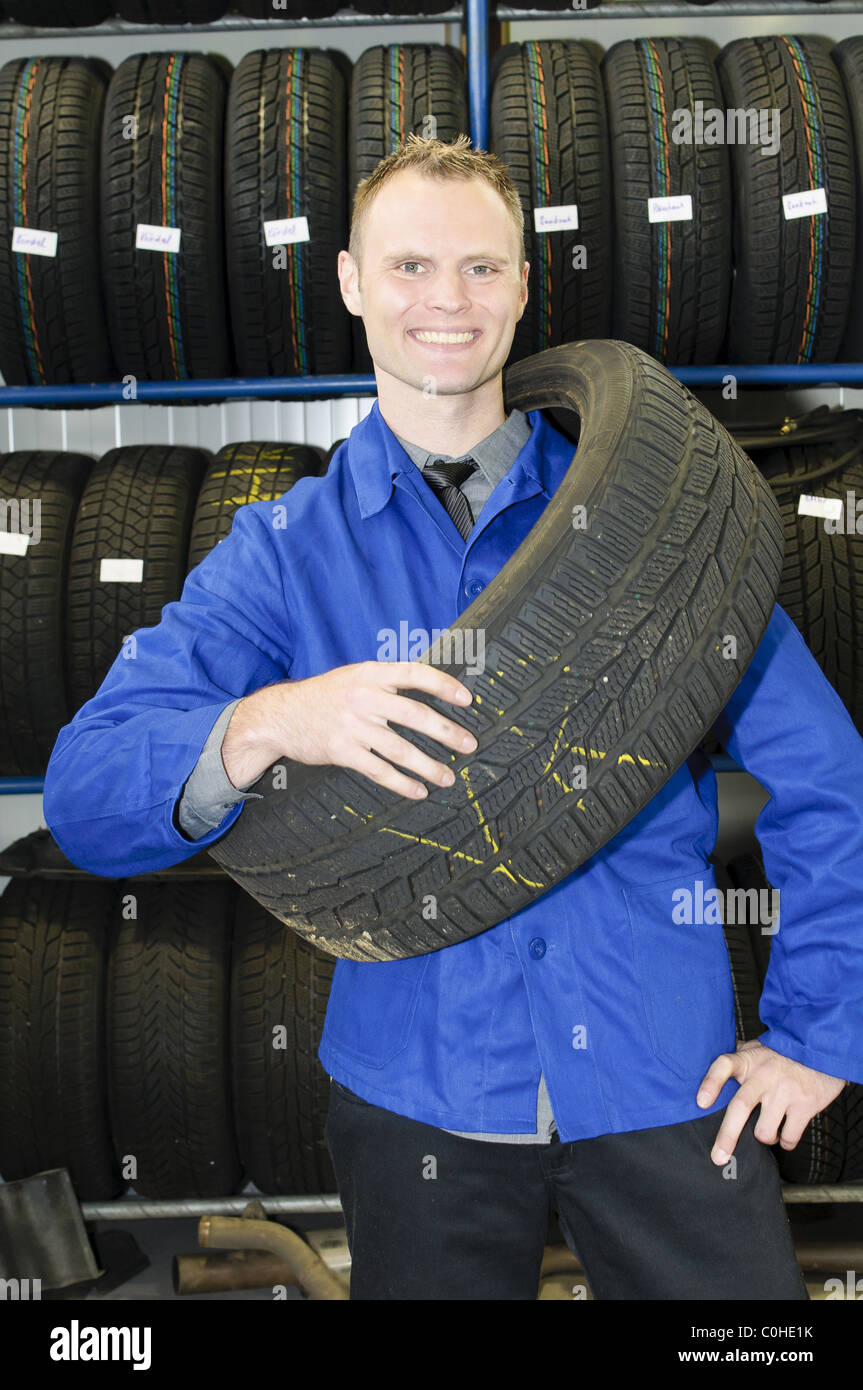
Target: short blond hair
438, 160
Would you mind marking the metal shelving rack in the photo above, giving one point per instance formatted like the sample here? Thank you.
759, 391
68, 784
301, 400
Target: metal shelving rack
475, 18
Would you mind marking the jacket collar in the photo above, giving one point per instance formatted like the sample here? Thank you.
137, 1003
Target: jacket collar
376, 457
493, 456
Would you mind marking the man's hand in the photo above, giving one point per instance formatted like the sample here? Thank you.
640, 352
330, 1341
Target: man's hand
784, 1089
342, 717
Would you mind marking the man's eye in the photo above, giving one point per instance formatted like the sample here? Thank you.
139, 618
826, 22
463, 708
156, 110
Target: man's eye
404, 263
484, 267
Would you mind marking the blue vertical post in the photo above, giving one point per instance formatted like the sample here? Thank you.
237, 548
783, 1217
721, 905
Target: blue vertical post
477, 19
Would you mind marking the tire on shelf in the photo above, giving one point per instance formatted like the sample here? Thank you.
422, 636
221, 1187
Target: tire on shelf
848, 57
746, 872
745, 975
571, 5
405, 6
50, 131
170, 11
137, 504
671, 277
53, 1072
238, 475
292, 9
396, 89
58, 14
611, 632
821, 588
34, 703
830, 1150
167, 310
285, 157
792, 277
168, 1045
548, 125
279, 991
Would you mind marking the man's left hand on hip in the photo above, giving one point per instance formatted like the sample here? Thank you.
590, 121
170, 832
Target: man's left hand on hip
784, 1089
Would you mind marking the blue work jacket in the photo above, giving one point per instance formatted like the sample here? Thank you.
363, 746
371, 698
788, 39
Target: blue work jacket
599, 984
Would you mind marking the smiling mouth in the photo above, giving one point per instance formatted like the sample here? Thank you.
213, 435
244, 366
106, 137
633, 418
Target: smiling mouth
430, 335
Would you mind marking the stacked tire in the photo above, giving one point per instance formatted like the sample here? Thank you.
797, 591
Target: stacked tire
818, 487
238, 475
163, 255
34, 679
549, 126
671, 275
720, 253
53, 1074
53, 325
58, 14
279, 991
128, 554
848, 57
167, 1040
793, 273
159, 1034
285, 149
111, 546
170, 11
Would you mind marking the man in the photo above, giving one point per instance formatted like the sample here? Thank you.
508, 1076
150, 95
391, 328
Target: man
579, 1056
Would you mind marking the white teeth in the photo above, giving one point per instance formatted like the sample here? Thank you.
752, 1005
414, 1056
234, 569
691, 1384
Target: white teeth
444, 337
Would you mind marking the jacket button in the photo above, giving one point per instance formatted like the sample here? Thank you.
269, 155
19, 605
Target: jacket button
537, 948
473, 588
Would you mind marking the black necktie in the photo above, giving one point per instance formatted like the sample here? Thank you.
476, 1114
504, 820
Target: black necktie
445, 479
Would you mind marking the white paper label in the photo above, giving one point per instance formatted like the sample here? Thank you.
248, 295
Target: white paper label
675, 209
559, 219
121, 571
149, 238
286, 229
808, 505
35, 242
809, 203
13, 543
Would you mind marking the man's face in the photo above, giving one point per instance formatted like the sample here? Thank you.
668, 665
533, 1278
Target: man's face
438, 257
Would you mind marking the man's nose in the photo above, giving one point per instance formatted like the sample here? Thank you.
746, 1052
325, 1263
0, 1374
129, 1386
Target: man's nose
448, 290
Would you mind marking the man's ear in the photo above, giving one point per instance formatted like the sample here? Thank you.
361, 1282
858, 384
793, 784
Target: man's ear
349, 276
524, 276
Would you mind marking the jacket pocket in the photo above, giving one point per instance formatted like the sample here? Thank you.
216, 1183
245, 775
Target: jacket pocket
684, 971
371, 1008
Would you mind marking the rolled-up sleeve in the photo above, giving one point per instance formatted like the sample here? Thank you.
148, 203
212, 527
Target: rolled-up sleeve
210, 794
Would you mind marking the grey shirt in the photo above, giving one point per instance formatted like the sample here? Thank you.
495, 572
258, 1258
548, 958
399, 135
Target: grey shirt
209, 794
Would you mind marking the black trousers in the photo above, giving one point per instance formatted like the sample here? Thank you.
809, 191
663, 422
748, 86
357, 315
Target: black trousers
433, 1216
